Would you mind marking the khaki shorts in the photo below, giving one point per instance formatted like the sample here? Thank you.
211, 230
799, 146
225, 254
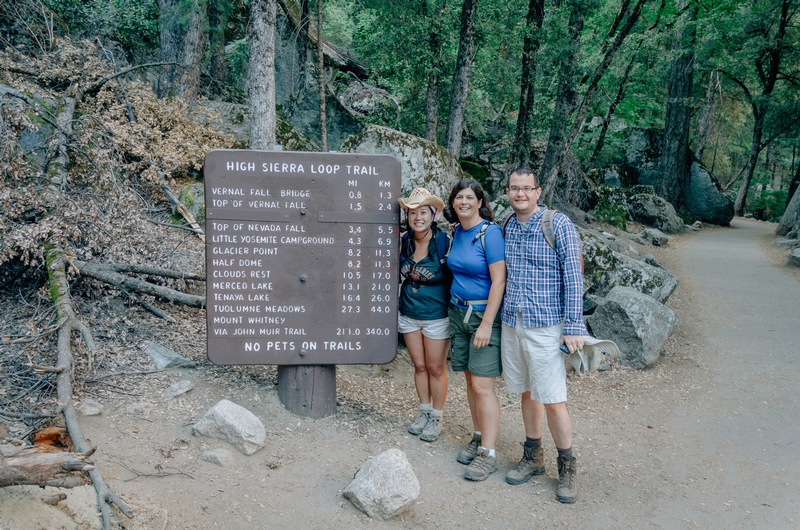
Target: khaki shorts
533, 362
482, 362
433, 329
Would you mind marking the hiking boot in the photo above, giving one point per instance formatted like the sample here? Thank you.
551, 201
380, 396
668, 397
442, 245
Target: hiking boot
531, 463
467, 455
419, 424
481, 467
432, 430
567, 480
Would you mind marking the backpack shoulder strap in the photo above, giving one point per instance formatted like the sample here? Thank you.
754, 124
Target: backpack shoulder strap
505, 223
443, 245
482, 234
404, 246
547, 227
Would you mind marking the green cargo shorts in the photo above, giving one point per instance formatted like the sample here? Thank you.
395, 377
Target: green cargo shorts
482, 362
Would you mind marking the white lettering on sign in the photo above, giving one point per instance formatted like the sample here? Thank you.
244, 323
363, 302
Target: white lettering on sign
230, 286
234, 250
240, 166
260, 297
301, 240
260, 192
351, 346
295, 193
244, 331
224, 297
362, 170
227, 320
263, 204
323, 168
266, 320
284, 309
282, 167
261, 227
265, 251
227, 191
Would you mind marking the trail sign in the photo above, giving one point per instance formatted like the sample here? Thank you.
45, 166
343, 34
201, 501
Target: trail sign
301, 257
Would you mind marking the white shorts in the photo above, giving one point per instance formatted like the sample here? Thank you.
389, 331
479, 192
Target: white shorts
533, 362
433, 329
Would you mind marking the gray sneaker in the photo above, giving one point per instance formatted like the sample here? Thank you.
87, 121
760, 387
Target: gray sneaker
481, 467
468, 455
567, 480
419, 424
432, 430
531, 463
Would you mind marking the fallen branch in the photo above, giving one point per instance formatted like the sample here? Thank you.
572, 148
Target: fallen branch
59, 291
108, 273
94, 88
33, 467
181, 208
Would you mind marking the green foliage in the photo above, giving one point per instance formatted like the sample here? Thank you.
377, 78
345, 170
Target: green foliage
770, 205
131, 23
613, 215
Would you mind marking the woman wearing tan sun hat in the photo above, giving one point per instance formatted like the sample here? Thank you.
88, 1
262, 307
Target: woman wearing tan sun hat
424, 295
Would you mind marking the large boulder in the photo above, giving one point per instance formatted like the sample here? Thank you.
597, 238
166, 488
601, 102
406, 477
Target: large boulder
705, 199
790, 221
424, 164
654, 211
794, 258
384, 485
643, 156
637, 323
606, 269
233, 424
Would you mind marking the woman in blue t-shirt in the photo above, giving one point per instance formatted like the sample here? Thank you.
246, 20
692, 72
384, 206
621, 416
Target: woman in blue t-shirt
477, 261
423, 318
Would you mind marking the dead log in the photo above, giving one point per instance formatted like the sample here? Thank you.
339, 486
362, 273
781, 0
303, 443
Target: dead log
108, 273
59, 291
31, 466
184, 211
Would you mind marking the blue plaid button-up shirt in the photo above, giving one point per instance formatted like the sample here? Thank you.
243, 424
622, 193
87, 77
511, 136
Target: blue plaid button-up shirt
544, 284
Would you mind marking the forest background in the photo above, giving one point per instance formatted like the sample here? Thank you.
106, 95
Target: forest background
718, 79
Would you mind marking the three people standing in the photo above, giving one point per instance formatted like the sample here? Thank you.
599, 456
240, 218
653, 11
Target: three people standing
535, 287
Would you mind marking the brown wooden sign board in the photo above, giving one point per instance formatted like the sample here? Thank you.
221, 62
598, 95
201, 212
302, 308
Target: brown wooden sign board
301, 257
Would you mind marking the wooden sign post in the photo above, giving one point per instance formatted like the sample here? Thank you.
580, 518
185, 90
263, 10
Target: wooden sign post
301, 266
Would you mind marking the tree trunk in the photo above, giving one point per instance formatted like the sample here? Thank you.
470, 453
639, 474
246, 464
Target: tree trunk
458, 99
323, 113
791, 217
566, 102
793, 185
675, 158
623, 85
182, 41
32, 466
217, 20
755, 150
706, 114
521, 151
261, 74
432, 95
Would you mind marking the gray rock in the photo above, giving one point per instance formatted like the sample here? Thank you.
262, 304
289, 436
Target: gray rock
650, 260
424, 164
176, 389
149, 519
654, 236
705, 199
221, 457
384, 486
654, 211
90, 407
163, 357
643, 155
605, 269
636, 322
794, 258
233, 424
785, 242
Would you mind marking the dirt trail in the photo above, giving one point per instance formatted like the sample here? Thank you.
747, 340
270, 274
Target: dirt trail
742, 434
707, 438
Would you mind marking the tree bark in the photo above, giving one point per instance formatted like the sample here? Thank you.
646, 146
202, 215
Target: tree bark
566, 102
323, 113
521, 150
58, 469
793, 185
261, 74
69, 322
706, 114
432, 93
458, 98
675, 157
217, 20
182, 41
791, 217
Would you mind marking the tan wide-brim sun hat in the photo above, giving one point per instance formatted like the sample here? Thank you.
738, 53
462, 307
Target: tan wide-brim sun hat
421, 197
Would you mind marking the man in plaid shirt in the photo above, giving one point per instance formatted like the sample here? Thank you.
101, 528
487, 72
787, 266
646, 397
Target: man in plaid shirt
542, 307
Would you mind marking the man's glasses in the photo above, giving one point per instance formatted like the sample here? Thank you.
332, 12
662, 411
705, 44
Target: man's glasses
526, 190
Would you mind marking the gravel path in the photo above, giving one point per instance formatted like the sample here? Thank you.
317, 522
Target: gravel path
705, 438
